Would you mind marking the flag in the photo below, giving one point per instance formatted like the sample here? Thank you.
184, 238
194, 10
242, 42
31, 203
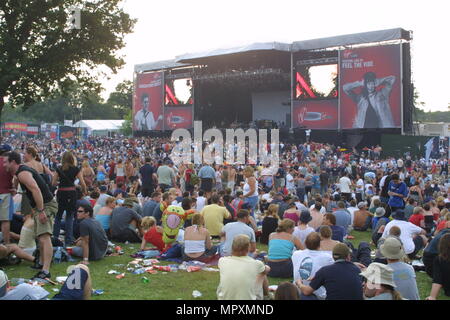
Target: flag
428, 148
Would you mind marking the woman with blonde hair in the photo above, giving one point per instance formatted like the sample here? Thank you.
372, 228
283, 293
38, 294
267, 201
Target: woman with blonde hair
250, 190
269, 223
88, 173
65, 177
281, 246
153, 234
197, 241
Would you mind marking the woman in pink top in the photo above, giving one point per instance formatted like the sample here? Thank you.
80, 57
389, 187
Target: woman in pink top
292, 213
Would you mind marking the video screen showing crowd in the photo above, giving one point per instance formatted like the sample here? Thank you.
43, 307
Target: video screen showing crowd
306, 210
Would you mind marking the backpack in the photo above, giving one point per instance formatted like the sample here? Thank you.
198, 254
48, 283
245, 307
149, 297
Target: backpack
194, 179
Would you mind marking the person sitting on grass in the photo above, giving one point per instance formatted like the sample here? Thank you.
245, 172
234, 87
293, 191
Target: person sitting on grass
78, 285
393, 232
379, 283
404, 274
104, 214
230, 230
338, 234
197, 241
417, 218
269, 223
281, 246
93, 242
287, 291
432, 250
23, 291
341, 280
303, 229
153, 234
379, 222
307, 262
326, 242
362, 218
441, 269
124, 222
9, 249
242, 277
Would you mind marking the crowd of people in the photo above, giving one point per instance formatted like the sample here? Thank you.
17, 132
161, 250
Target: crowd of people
83, 194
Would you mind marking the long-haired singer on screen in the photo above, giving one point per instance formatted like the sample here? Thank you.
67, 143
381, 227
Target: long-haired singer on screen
374, 110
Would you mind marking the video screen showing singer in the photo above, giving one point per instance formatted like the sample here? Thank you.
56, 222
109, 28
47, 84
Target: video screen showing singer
144, 119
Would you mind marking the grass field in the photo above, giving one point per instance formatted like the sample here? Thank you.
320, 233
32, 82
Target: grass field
168, 286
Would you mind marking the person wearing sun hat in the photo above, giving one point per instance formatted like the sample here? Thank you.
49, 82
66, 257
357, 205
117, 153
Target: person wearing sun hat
379, 283
404, 274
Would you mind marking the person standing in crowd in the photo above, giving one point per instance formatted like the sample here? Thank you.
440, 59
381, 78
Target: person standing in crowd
66, 195
345, 185
6, 196
166, 176
88, 174
207, 177
250, 189
43, 204
397, 191
148, 176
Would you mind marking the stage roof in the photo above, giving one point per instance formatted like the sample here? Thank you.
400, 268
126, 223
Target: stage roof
266, 46
351, 39
189, 59
158, 65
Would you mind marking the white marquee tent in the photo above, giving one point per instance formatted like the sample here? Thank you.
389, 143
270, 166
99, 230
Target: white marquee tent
100, 127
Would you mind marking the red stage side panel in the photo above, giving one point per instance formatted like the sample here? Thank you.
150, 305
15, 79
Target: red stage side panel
178, 117
316, 114
148, 102
370, 88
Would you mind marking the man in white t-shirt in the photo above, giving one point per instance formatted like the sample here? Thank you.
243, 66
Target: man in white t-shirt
344, 184
201, 201
242, 277
290, 184
413, 237
307, 262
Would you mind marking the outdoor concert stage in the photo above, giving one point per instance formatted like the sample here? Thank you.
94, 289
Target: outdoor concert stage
348, 90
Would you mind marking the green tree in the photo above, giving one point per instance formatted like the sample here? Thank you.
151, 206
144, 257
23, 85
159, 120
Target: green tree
40, 57
127, 126
122, 98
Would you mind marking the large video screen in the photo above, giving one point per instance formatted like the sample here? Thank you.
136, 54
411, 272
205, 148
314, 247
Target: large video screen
147, 107
370, 85
179, 92
316, 81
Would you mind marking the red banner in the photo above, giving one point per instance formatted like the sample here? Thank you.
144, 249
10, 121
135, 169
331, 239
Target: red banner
316, 114
16, 126
178, 117
370, 87
148, 102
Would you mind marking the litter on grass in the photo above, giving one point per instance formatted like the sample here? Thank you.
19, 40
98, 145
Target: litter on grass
196, 294
120, 276
113, 272
61, 280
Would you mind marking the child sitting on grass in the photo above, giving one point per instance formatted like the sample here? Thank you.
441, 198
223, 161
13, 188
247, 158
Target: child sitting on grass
152, 234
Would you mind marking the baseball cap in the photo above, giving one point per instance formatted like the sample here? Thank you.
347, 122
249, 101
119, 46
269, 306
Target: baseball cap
3, 283
379, 212
392, 248
340, 251
362, 204
379, 273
